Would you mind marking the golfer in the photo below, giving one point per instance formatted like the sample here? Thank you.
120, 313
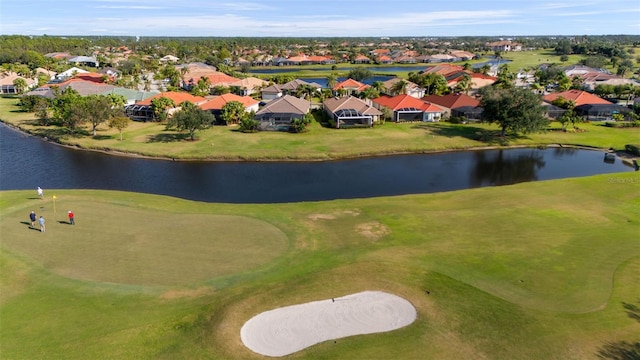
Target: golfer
32, 217
40, 193
41, 221
72, 220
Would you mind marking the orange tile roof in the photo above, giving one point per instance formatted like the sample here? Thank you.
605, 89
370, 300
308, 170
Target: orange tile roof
579, 97
406, 101
177, 97
452, 101
220, 101
351, 84
443, 69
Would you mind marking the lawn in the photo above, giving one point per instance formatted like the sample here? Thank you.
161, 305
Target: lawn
319, 143
543, 270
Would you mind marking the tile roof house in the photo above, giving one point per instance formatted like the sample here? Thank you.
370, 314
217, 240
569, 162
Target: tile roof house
361, 59
590, 106
407, 108
7, 84
218, 102
249, 85
412, 89
279, 113
350, 86
142, 111
579, 97
457, 105
351, 112
271, 92
83, 87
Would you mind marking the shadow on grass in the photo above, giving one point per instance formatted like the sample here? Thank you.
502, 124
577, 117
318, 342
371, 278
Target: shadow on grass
166, 138
487, 136
64, 222
102, 137
623, 350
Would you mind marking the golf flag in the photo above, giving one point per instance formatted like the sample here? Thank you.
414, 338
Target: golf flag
54, 203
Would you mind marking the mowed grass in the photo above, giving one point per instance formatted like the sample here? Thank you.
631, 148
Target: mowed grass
319, 143
530, 271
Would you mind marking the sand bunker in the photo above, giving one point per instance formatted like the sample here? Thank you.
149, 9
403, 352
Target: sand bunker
284, 331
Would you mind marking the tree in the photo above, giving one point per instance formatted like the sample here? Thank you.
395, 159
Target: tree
98, 110
516, 110
369, 93
120, 123
232, 112
332, 80
190, 118
20, 84
360, 73
249, 124
160, 106
300, 124
464, 85
506, 79
400, 87
203, 87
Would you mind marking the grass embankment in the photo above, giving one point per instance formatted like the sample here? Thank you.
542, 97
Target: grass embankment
540, 270
319, 143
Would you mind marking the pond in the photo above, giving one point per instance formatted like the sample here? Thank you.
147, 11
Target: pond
28, 162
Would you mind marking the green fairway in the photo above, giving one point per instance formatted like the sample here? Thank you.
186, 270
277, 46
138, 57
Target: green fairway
543, 270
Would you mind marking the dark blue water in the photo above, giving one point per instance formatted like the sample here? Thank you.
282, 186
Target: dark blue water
27, 162
375, 69
322, 81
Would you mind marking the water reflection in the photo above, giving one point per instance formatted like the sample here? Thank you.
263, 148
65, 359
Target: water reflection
499, 168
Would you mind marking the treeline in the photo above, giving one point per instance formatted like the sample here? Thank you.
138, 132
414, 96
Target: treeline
16, 48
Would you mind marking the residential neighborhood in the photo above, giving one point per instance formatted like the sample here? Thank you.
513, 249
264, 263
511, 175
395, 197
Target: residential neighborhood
446, 85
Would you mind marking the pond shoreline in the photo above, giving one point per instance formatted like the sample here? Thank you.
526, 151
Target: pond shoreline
624, 156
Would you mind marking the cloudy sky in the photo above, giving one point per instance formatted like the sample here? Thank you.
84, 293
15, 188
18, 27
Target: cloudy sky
344, 18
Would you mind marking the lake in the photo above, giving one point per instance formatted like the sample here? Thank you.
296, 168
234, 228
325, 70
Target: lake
28, 162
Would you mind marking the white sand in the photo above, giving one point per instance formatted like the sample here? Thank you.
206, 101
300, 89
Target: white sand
285, 330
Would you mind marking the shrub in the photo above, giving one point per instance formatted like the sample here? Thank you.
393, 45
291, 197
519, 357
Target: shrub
633, 149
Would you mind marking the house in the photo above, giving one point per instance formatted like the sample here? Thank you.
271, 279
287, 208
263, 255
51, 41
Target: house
350, 86
578, 97
7, 85
477, 80
85, 61
504, 46
216, 104
456, 104
131, 95
591, 107
279, 113
407, 108
142, 110
292, 86
168, 59
361, 59
411, 89
384, 59
82, 86
351, 112
69, 73
271, 92
248, 86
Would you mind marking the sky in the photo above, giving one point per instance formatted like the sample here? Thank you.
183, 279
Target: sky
319, 18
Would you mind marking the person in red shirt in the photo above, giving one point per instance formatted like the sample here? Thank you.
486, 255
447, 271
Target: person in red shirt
72, 220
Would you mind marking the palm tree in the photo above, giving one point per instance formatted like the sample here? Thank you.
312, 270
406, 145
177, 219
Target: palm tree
400, 87
332, 80
464, 85
379, 86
